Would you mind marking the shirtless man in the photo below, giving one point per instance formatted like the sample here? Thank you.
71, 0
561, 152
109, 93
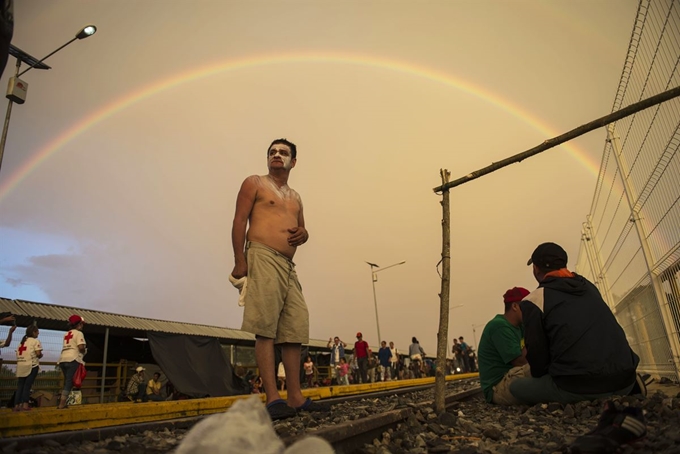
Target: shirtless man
275, 310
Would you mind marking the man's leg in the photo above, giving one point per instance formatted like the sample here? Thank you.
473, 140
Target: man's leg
264, 355
290, 353
363, 369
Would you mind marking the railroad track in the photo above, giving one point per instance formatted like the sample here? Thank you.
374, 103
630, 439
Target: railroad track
350, 436
346, 437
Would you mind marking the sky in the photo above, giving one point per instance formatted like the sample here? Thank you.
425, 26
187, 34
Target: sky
121, 170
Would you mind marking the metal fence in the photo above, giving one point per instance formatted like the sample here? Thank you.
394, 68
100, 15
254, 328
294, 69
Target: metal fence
630, 244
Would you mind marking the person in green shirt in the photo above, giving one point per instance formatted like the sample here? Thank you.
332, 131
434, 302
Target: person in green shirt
501, 354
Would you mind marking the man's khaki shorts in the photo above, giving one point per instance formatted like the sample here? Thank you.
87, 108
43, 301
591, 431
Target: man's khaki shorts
274, 305
501, 392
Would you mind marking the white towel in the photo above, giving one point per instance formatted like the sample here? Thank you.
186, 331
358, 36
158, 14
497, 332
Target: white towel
241, 284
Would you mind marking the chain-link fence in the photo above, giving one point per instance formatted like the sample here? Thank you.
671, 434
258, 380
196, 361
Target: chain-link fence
631, 238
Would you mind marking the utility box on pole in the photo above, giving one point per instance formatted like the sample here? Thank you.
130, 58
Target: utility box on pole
17, 90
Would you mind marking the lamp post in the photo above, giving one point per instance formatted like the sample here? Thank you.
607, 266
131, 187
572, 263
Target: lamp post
374, 278
17, 88
474, 334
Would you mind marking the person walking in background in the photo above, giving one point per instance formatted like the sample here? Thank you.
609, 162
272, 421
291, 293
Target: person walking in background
72, 353
361, 354
384, 356
343, 372
464, 352
457, 356
394, 361
337, 351
309, 371
416, 353
29, 353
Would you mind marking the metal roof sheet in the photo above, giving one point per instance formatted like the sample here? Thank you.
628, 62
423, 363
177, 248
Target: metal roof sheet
53, 316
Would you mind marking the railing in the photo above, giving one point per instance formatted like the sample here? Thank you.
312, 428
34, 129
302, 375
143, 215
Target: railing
50, 381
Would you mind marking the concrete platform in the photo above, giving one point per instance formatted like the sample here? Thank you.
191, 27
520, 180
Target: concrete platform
93, 416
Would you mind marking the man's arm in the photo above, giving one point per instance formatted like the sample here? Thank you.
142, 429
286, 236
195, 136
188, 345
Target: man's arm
9, 335
538, 350
298, 235
244, 206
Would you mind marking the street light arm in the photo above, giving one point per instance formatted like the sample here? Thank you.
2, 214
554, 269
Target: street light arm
45, 58
390, 266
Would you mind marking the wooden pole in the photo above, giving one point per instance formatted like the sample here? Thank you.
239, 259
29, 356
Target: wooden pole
443, 333
550, 143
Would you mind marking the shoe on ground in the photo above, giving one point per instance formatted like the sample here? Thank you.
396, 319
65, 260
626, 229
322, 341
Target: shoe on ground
279, 409
312, 406
615, 428
639, 387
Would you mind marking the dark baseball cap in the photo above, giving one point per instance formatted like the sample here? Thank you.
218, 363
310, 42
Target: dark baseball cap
549, 256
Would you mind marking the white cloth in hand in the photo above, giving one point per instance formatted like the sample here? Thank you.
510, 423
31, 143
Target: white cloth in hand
241, 284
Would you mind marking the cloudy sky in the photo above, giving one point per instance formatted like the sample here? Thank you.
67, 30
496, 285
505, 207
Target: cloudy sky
120, 174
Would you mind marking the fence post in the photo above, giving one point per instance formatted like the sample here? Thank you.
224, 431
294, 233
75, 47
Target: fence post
659, 294
106, 351
596, 264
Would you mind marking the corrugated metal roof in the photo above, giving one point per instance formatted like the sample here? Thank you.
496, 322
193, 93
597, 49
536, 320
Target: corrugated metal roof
53, 316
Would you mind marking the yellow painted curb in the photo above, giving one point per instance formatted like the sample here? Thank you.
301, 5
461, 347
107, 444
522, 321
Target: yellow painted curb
92, 416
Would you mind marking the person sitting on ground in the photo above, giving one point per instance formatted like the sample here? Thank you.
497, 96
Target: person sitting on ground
153, 388
502, 356
136, 391
575, 347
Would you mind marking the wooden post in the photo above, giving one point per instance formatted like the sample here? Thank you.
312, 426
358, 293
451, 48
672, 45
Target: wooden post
443, 333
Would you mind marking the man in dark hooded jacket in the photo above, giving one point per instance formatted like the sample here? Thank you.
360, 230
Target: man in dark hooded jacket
575, 347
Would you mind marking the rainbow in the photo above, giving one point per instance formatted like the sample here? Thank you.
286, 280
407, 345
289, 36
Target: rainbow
136, 96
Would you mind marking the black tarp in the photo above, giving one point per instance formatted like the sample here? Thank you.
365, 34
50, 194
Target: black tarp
197, 366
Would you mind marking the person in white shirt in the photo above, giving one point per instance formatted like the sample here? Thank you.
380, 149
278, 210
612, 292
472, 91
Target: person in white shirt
72, 353
394, 359
28, 354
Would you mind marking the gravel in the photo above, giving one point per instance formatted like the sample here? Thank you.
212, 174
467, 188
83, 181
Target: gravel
468, 427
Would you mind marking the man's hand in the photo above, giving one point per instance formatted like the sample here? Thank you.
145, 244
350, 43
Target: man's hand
9, 318
12, 328
240, 270
298, 236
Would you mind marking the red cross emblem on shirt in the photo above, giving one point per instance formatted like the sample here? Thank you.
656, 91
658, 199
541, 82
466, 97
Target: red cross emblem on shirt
68, 337
22, 349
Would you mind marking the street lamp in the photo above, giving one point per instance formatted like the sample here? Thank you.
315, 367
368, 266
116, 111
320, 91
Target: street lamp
474, 333
374, 278
17, 88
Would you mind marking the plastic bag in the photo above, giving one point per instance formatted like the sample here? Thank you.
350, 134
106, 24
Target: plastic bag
79, 376
75, 397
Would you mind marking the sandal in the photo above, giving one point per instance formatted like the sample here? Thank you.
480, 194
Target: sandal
310, 405
279, 409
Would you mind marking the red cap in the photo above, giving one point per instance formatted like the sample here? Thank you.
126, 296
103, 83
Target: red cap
359, 335
75, 319
515, 295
